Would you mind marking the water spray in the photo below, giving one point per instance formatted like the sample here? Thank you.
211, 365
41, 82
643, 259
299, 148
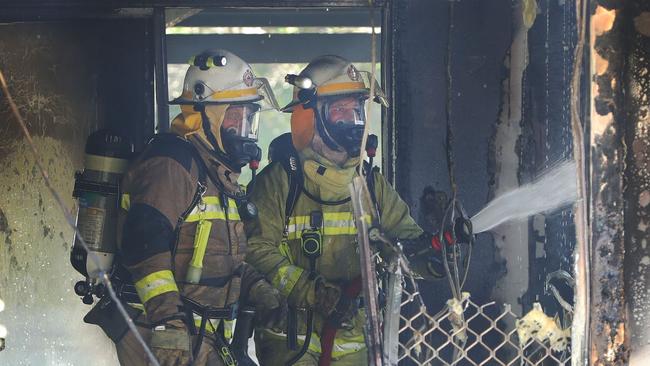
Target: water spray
553, 189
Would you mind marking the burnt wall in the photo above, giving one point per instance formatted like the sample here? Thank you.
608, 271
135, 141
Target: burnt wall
546, 139
68, 79
637, 175
480, 38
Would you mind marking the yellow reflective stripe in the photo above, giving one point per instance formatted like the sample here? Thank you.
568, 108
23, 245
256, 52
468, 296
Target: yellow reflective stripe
105, 164
285, 251
346, 346
215, 200
201, 238
337, 216
224, 94
286, 277
209, 327
228, 329
210, 209
207, 215
336, 87
334, 223
340, 348
125, 201
155, 284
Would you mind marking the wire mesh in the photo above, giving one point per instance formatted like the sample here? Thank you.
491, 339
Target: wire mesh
466, 333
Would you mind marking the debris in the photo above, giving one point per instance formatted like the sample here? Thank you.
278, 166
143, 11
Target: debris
538, 326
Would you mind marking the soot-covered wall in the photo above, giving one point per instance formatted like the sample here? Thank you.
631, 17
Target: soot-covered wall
481, 36
68, 79
511, 66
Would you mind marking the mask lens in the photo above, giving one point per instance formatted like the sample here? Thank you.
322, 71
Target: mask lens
241, 120
345, 110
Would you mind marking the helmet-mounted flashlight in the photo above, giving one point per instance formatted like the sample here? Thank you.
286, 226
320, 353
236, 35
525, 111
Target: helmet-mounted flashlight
205, 62
301, 82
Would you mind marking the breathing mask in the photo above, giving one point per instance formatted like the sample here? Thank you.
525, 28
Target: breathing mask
341, 122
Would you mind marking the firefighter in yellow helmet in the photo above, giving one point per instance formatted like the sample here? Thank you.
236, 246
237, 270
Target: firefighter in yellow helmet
183, 241
327, 126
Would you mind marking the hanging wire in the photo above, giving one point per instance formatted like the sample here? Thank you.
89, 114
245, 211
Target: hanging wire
582, 253
103, 276
448, 110
371, 96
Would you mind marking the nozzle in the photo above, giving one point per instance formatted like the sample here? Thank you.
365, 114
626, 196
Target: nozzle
463, 229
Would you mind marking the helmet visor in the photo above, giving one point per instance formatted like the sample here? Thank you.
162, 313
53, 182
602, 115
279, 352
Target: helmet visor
241, 120
346, 110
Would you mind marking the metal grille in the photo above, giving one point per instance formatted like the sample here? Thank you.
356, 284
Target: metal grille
465, 333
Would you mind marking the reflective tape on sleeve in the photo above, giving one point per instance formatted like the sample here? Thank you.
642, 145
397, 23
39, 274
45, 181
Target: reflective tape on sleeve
286, 278
155, 284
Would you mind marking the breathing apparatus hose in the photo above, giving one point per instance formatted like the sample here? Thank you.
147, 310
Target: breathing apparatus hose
305, 345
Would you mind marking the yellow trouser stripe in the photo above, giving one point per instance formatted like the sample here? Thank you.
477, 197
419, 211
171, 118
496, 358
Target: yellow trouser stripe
341, 347
286, 277
155, 284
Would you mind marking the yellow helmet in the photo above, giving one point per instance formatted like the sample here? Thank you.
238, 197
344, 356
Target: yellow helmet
330, 83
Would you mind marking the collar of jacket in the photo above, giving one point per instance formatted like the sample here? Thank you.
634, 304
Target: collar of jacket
216, 168
324, 178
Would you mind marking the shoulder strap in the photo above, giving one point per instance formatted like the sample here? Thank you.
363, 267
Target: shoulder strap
171, 138
281, 150
291, 164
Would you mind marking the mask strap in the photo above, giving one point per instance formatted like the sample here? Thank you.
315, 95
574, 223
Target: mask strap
205, 123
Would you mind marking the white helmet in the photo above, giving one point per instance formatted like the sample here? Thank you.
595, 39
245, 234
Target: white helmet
220, 76
221, 92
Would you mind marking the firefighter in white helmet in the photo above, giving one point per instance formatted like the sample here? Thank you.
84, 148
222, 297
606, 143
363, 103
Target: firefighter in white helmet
183, 240
304, 239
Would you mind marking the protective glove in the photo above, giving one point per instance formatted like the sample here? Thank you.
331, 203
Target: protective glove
171, 343
425, 253
270, 305
326, 296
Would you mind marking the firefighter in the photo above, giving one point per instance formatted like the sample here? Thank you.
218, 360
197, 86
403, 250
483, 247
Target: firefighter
183, 239
327, 126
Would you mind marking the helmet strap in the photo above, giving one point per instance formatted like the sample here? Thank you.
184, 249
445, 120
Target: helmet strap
324, 134
220, 155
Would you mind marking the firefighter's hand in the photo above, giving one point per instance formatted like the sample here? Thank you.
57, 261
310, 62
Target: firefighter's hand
270, 305
171, 344
327, 296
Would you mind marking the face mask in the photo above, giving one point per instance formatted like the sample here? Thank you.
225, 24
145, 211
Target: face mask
342, 122
234, 141
240, 151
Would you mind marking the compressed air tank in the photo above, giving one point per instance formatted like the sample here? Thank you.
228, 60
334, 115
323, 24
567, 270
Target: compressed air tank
97, 192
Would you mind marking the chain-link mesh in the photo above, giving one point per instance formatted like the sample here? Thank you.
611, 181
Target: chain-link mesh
466, 333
